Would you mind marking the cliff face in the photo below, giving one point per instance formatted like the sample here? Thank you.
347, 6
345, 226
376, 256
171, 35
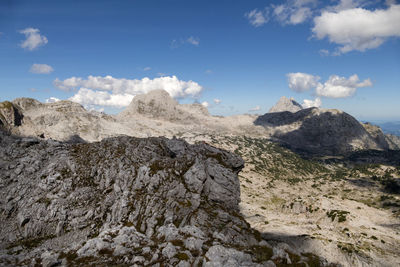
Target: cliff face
123, 201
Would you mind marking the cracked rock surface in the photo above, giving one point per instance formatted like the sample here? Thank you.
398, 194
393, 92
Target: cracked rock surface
124, 200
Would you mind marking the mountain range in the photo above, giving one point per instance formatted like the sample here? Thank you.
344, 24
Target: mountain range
168, 184
313, 130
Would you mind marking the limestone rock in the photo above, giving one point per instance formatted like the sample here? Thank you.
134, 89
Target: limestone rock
385, 141
286, 104
10, 115
123, 200
321, 131
156, 103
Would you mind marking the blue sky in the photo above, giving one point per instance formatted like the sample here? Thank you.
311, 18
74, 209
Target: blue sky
244, 54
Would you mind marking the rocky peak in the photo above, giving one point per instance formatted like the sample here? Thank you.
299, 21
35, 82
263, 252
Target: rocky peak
322, 131
286, 104
156, 104
27, 103
10, 115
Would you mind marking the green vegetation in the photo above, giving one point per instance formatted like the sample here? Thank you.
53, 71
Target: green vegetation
182, 256
270, 159
340, 214
262, 253
6, 105
347, 247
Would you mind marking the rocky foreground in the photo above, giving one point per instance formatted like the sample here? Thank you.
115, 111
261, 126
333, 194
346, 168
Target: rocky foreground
127, 201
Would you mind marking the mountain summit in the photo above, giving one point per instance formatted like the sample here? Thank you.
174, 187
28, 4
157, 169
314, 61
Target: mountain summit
286, 104
157, 103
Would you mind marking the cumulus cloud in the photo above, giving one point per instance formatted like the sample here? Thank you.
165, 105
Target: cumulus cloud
110, 91
334, 87
301, 82
88, 97
256, 108
41, 69
217, 101
257, 17
52, 100
33, 39
341, 87
307, 103
347, 4
358, 28
205, 104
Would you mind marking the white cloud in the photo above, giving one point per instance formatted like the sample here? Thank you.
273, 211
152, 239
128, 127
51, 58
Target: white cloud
307, 103
205, 104
146, 68
217, 101
256, 108
289, 12
358, 28
257, 17
324, 52
110, 91
208, 71
294, 11
33, 39
301, 82
193, 40
390, 2
41, 69
340, 87
347, 4
52, 100
175, 43
334, 87
88, 98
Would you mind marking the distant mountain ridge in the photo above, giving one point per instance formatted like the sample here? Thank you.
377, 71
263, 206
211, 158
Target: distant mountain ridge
312, 130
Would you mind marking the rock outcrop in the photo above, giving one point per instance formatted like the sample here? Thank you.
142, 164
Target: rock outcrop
124, 200
158, 104
10, 116
323, 131
61, 120
286, 104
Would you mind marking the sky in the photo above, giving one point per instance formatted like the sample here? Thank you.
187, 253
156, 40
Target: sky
234, 57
